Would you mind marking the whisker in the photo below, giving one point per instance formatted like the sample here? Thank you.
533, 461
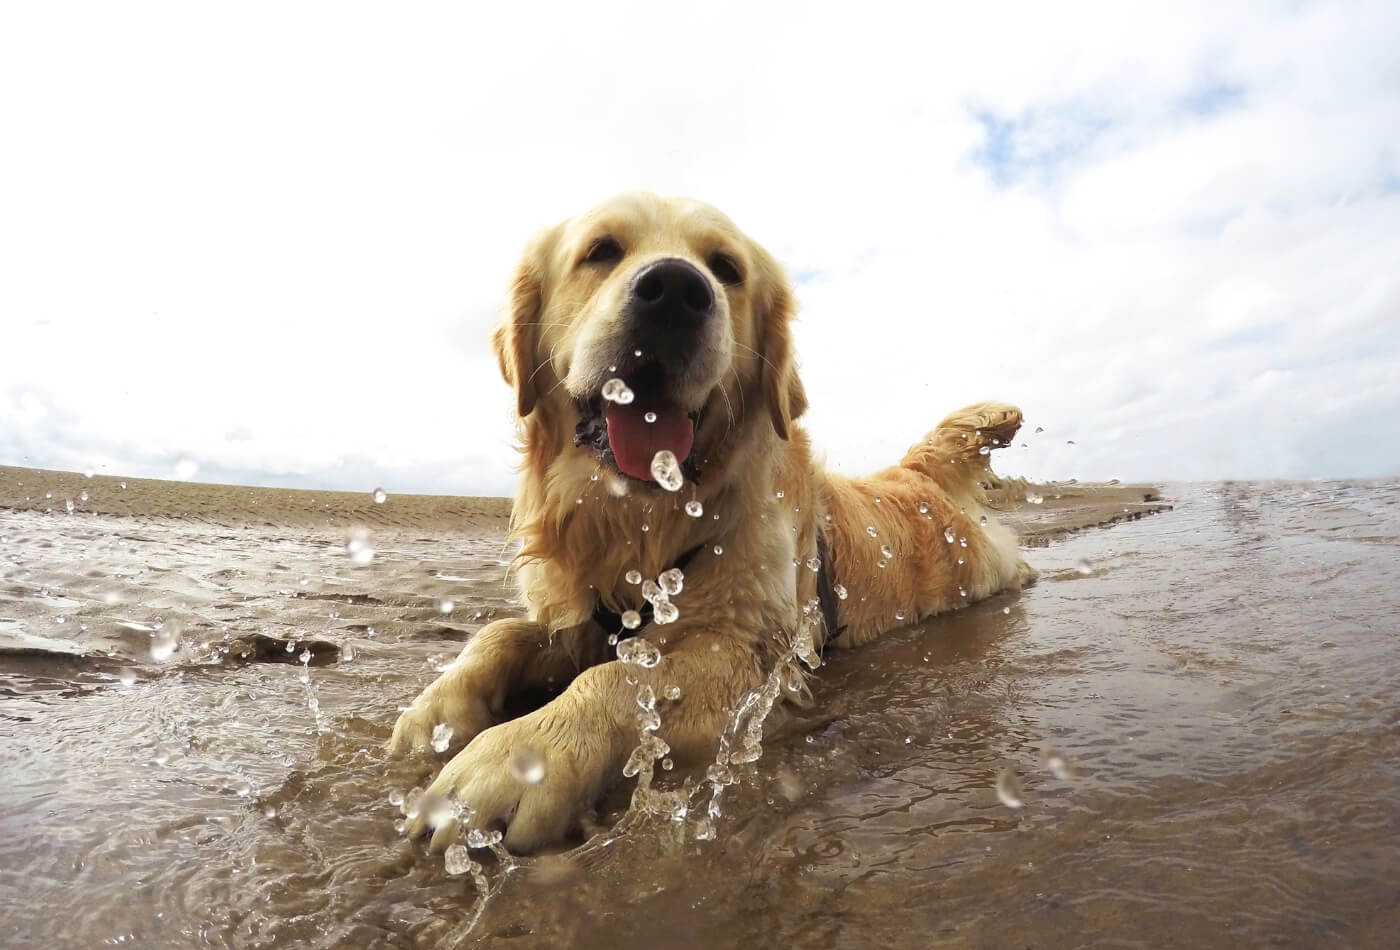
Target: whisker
758, 354
542, 365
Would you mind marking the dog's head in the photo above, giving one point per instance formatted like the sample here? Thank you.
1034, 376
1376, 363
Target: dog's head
648, 324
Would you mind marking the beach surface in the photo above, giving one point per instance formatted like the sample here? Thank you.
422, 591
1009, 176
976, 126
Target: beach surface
1185, 732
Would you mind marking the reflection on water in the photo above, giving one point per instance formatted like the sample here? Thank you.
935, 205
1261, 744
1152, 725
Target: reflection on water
1200, 732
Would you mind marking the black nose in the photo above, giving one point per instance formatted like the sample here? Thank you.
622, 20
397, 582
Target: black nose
670, 291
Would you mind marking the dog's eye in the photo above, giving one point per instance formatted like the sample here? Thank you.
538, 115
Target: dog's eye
724, 268
605, 250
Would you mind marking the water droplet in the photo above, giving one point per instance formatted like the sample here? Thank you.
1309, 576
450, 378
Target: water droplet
636, 352
778, 493
652, 592
123, 485
186, 468
396, 798
1006, 610
456, 860
923, 507
840, 591
1057, 765
380, 496
885, 551
638, 650
984, 450
719, 550
667, 471
665, 612
1009, 789
814, 564
615, 390
527, 766
1084, 567
631, 619
882, 563
672, 581
165, 640
83, 497
359, 548
899, 615
445, 606
949, 535
634, 576
694, 508
982, 521
667, 764
648, 417
870, 530
442, 737
60, 619
672, 692
612, 637
482, 838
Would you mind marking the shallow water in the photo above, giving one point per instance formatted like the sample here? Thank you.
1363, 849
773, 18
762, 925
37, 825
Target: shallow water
1219, 681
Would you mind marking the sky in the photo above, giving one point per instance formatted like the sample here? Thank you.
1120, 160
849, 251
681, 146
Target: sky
270, 240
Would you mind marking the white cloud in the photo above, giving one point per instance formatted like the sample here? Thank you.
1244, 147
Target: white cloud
274, 237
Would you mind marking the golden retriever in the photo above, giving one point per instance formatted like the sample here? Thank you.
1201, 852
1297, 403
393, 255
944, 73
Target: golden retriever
669, 498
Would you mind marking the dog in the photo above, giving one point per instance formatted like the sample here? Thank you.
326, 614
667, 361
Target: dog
669, 498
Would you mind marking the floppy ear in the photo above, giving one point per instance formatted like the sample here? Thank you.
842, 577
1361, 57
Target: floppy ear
515, 339
782, 389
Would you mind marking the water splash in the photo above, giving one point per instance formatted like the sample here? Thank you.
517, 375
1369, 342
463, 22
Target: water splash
442, 737
527, 766
359, 547
666, 471
638, 650
615, 390
1009, 789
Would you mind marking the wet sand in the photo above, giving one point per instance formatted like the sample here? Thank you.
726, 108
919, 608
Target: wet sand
1218, 681
33, 489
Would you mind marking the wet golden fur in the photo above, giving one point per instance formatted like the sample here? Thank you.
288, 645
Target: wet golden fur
582, 526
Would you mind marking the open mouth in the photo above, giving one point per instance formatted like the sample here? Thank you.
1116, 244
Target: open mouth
628, 434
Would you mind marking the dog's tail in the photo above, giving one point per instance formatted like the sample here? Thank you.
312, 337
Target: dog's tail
957, 453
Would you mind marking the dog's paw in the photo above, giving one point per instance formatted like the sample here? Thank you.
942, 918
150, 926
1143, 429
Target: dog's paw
1026, 575
529, 778
445, 715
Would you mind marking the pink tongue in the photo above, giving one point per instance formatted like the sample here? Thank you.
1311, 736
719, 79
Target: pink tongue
635, 442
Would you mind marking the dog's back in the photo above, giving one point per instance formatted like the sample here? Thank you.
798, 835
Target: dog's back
917, 539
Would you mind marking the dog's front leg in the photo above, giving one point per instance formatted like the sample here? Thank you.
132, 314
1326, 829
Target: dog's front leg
503, 658
534, 776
